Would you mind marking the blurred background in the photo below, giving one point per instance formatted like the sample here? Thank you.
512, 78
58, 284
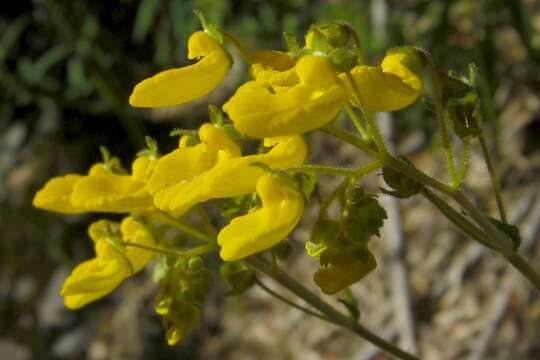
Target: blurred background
67, 68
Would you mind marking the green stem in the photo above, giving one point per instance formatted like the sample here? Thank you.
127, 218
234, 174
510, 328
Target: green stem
464, 159
210, 229
440, 119
334, 170
357, 122
501, 241
369, 117
335, 316
199, 250
186, 229
291, 303
351, 139
494, 178
458, 219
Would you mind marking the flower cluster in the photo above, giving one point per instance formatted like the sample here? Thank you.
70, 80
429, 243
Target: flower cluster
290, 93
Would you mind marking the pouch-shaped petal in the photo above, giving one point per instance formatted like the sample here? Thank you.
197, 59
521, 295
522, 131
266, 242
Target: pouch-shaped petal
111, 193
273, 68
56, 195
187, 162
236, 176
99, 276
178, 86
389, 87
343, 271
282, 208
310, 104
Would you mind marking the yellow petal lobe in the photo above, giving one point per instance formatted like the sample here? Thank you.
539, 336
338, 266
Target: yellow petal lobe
178, 86
282, 208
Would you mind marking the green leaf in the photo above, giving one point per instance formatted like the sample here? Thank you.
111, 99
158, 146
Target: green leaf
364, 216
323, 234
510, 230
307, 182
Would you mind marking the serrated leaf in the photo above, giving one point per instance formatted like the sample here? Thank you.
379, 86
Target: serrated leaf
323, 234
364, 215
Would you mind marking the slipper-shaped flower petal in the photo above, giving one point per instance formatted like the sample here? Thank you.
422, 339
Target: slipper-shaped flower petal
273, 68
388, 87
178, 86
310, 104
99, 276
233, 176
115, 193
282, 208
187, 162
56, 194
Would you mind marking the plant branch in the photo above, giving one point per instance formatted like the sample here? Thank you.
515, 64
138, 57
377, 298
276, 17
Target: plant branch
335, 316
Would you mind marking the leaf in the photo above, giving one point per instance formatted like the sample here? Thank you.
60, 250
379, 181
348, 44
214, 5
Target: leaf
510, 230
364, 215
12, 34
323, 234
307, 182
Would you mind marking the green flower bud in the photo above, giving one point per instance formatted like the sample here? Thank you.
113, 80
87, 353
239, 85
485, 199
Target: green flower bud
237, 275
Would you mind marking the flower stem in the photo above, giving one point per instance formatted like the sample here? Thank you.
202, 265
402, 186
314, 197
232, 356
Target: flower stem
199, 250
335, 316
357, 122
185, 228
291, 303
464, 159
369, 117
440, 119
494, 178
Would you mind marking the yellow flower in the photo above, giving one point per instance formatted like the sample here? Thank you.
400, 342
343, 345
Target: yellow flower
308, 105
178, 86
99, 276
187, 162
229, 176
342, 271
388, 87
282, 208
115, 193
98, 191
273, 68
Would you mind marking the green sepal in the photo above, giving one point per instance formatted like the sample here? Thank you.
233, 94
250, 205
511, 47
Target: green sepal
307, 181
238, 276
344, 59
403, 186
464, 113
208, 27
151, 148
336, 34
